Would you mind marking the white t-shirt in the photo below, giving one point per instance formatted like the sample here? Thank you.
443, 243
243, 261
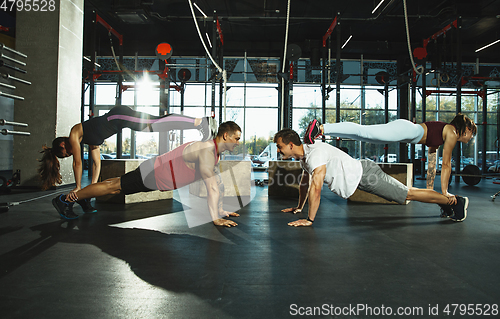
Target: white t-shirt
343, 173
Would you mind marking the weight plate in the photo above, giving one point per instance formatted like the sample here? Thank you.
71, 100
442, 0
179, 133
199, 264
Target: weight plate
471, 170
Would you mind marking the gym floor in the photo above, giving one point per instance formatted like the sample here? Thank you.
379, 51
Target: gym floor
143, 261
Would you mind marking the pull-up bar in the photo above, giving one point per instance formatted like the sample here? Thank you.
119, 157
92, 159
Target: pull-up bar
440, 32
421, 53
97, 74
132, 86
478, 93
329, 31
109, 28
466, 79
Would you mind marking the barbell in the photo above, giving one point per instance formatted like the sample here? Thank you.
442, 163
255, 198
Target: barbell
471, 175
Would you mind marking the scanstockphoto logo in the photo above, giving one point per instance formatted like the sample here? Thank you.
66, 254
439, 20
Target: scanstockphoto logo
356, 310
284, 173
289, 173
366, 310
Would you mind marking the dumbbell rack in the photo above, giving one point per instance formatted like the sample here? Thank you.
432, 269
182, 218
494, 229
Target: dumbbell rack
8, 63
9, 132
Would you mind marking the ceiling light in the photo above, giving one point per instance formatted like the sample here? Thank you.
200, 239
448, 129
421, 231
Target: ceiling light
346, 42
495, 42
200, 10
97, 64
208, 38
378, 5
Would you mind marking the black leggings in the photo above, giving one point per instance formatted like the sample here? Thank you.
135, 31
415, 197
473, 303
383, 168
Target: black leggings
97, 129
124, 116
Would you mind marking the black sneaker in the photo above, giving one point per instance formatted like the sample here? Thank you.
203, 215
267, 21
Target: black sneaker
208, 128
460, 209
446, 210
64, 208
312, 132
86, 206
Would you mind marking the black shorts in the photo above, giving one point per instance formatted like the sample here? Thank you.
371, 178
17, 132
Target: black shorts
142, 179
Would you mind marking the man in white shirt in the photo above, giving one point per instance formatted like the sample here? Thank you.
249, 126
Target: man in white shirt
323, 162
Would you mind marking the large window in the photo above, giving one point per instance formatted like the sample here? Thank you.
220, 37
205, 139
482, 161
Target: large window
252, 106
443, 106
361, 105
252, 102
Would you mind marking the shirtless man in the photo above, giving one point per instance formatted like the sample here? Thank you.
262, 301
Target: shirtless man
177, 168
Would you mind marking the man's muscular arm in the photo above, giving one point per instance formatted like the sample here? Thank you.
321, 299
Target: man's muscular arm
222, 212
314, 195
206, 165
303, 192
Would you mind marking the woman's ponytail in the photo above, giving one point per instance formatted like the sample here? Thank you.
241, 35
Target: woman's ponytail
49, 168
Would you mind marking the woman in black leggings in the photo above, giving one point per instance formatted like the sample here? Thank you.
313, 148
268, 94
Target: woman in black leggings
94, 131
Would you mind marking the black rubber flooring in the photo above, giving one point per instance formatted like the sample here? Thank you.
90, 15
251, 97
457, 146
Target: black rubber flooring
357, 261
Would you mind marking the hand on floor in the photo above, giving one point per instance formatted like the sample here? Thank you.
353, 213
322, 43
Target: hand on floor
293, 210
224, 222
228, 214
300, 223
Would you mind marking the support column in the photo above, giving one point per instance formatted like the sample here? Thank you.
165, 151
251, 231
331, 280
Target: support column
164, 137
53, 41
458, 146
338, 76
386, 115
413, 113
423, 172
403, 102
484, 169
213, 73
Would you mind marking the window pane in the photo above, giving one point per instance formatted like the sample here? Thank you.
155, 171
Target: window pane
350, 97
147, 142
105, 94
235, 96
262, 95
148, 93
374, 99
306, 96
261, 125
197, 94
